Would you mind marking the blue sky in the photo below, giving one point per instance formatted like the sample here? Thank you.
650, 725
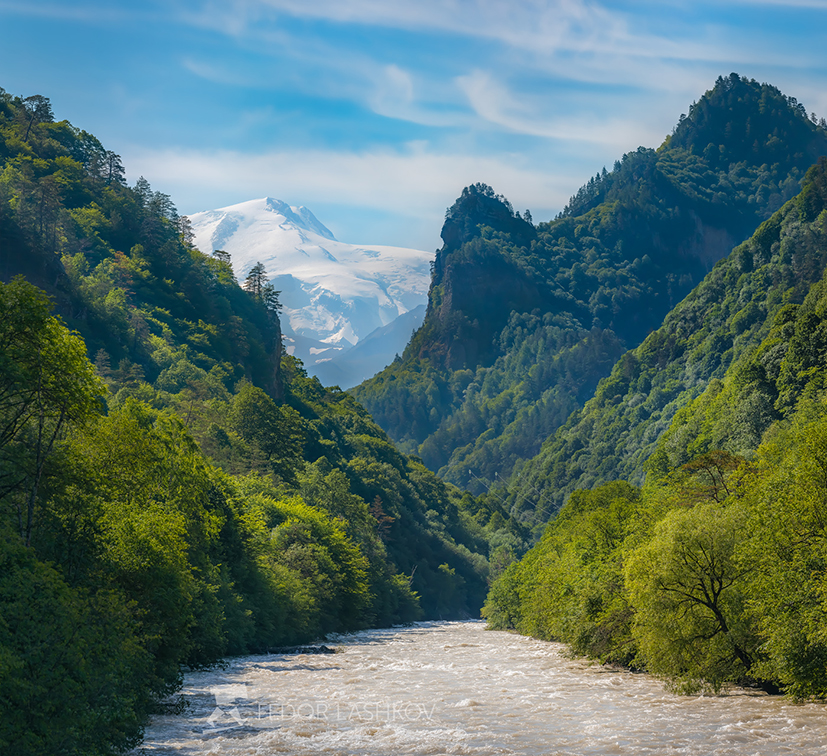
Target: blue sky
376, 113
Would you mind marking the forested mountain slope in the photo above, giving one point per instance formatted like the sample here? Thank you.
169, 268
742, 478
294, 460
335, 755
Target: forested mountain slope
118, 260
171, 326
713, 571
787, 372
174, 488
751, 295
524, 321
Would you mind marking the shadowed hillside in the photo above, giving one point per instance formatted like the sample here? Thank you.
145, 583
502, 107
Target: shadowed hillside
523, 320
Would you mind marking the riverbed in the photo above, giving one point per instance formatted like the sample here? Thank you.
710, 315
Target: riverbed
457, 688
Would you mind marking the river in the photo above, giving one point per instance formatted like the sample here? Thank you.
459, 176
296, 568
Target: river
456, 688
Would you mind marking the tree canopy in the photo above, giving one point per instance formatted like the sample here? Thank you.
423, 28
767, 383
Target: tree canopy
523, 321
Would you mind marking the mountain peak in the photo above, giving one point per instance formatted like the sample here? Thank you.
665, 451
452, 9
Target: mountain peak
741, 120
479, 205
216, 227
298, 215
333, 294
739, 130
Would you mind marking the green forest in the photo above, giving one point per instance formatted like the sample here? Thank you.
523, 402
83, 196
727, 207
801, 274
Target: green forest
642, 381
693, 539
611, 430
173, 486
523, 321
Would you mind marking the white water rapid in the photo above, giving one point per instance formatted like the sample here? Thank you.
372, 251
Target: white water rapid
456, 688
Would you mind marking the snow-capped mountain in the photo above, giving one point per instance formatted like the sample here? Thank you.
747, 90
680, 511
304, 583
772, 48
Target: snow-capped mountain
334, 294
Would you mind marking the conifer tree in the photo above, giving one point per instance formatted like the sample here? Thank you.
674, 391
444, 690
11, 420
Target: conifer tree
36, 109
255, 281
257, 285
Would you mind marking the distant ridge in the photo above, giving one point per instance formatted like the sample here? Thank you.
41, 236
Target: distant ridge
695, 353
371, 354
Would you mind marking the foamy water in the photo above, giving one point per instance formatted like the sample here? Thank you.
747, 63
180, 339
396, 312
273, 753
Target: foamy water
456, 688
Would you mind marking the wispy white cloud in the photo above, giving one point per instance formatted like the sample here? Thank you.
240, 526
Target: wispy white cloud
320, 67
394, 92
545, 24
565, 84
414, 182
543, 28
561, 41
217, 73
534, 115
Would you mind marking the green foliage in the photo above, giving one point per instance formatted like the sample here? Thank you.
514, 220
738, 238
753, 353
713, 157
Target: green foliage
119, 260
274, 431
524, 321
733, 590
46, 383
570, 586
740, 319
687, 585
665, 578
767, 382
72, 672
721, 567
507, 409
188, 563
425, 521
149, 528
789, 554
307, 542
216, 500
257, 285
391, 597
171, 327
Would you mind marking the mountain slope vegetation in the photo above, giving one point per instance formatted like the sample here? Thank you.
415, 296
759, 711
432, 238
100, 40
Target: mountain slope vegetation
173, 487
523, 320
712, 572
757, 288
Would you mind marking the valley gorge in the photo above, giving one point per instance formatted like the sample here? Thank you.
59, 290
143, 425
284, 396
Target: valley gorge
607, 438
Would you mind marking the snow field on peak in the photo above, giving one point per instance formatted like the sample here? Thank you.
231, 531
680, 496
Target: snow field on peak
333, 294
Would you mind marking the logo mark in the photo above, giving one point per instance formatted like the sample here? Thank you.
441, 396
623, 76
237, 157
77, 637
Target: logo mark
226, 707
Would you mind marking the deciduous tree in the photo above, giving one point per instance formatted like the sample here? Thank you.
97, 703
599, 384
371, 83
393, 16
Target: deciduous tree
46, 384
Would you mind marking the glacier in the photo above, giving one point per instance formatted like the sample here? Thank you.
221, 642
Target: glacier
334, 295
